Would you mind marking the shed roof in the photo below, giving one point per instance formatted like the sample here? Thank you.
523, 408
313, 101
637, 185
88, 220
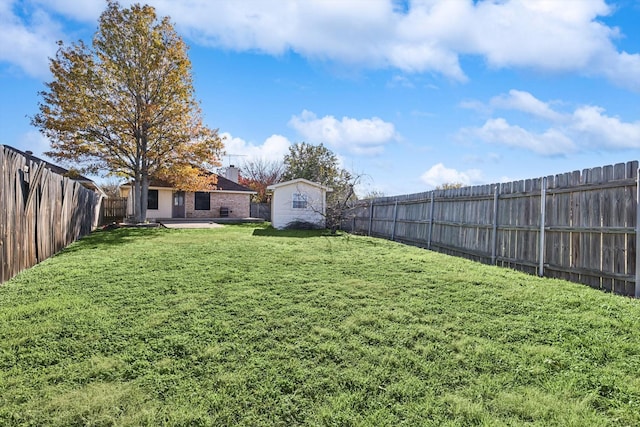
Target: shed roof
298, 181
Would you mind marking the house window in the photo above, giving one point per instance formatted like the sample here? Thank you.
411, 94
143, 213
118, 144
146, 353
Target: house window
152, 199
203, 201
299, 201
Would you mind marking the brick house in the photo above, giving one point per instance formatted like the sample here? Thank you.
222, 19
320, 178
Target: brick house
227, 200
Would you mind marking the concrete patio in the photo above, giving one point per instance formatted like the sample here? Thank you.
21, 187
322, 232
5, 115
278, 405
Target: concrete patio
205, 222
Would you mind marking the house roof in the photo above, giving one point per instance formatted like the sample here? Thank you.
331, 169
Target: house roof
88, 183
228, 185
299, 181
223, 184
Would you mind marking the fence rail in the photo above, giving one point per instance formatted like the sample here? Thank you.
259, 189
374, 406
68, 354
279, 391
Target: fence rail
580, 226
41, 212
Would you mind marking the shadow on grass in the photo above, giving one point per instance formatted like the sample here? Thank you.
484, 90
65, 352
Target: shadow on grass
118, 236
272, 232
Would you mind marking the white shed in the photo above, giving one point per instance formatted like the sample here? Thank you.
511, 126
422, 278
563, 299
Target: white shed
298, 200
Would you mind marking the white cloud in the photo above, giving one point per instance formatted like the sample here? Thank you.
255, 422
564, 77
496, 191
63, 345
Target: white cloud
439, 174
602, 131
478, 106
547, 35
273, 148
401, 81
549, 143
427, 36
358, 136
377, 35
85, 10
586, 128
622, 68
27, 44
527, 103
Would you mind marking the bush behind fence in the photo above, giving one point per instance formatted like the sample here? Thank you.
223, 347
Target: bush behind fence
578, 226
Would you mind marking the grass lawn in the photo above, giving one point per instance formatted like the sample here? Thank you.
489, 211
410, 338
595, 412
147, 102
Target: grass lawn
245, 326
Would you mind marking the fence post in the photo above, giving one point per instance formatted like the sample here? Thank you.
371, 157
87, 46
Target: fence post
370, 216
494, 237
543, 208
430, 223
395, 216
637, 287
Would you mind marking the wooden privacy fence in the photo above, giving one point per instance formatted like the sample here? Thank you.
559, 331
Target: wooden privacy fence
261, 210
578, 226
113, 209
41, 212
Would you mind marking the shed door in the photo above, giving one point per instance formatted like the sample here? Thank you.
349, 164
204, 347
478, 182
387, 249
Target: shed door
178, 204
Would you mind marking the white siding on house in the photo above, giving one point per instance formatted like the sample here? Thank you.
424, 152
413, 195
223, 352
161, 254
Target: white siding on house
165, 208
165, 199
283, 212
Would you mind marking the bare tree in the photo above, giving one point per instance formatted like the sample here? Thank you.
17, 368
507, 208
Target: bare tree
341, 200
111, 187
259, 174
373, 194
337, 206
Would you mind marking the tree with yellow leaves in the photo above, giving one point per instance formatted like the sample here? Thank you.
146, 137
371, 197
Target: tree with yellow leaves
125, 106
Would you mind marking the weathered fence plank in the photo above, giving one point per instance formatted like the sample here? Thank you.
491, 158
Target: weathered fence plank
114, 209
41, 212
257, 210
3, 213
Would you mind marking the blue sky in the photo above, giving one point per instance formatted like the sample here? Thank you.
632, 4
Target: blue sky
410, 94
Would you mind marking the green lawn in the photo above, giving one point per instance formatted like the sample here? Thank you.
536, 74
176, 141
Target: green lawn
246, 326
